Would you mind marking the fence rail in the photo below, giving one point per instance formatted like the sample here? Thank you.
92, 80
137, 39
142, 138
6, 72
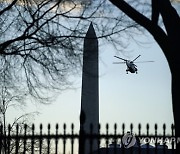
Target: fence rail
24, 139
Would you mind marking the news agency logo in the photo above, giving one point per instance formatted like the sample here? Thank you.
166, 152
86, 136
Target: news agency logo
128, 140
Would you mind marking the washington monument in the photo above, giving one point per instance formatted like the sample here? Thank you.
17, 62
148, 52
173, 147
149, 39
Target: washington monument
90, 92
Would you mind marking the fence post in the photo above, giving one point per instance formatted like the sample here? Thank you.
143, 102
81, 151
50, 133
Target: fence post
72, 139
32, 139
138, 140
64, 139
82, 133
56, 139
9, 139
17, 139
156, 144
1, 133
147, 129
172, 134
25, 131
48, 141
40, 138
107, 139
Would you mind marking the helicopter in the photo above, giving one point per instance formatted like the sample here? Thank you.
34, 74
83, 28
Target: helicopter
131, 67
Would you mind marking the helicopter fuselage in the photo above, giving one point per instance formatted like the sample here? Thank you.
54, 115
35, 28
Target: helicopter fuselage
131, 67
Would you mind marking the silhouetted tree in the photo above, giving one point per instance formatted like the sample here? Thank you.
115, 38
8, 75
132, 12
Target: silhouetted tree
20, 126
168, 40
41, 46
41, 41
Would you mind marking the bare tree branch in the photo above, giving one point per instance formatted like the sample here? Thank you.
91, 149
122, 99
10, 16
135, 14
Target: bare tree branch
41, 41
8, 7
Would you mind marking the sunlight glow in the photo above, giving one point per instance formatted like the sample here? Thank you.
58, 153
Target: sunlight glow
70, 6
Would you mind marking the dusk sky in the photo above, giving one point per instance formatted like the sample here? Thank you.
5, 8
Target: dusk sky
124, 98
144, 97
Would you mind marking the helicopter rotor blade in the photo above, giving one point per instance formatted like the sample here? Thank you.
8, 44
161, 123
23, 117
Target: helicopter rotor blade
120, 58
136, 58
119, 62
143, 61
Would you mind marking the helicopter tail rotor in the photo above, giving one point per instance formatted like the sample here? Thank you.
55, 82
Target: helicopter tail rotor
143, 61
119, 62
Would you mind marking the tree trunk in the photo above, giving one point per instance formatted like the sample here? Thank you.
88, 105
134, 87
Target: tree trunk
171, 21
176, 98
174, 63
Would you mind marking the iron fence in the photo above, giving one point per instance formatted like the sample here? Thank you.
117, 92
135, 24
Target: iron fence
25, 139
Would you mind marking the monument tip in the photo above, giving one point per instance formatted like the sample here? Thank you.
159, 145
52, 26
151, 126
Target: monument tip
91, 32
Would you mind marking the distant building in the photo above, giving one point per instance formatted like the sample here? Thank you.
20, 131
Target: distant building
143, 149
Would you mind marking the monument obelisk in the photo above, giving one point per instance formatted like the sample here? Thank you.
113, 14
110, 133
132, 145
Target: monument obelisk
90, 92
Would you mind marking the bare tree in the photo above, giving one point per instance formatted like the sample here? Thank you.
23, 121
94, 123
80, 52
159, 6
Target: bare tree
20, 126
168, 40
11, 144
41, 46
41, 41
